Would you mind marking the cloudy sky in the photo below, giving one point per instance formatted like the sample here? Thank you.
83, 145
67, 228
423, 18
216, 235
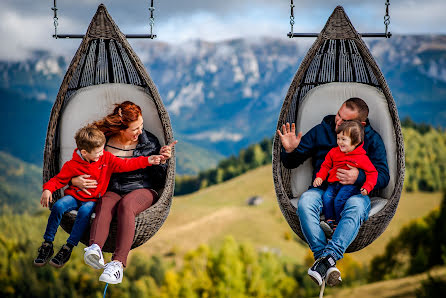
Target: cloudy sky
27, 25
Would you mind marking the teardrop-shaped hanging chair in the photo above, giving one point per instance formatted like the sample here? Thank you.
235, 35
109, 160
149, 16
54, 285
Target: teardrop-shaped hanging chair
105, 71
339, 66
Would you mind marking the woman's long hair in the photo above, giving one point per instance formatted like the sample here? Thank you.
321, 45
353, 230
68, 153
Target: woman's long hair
123, 114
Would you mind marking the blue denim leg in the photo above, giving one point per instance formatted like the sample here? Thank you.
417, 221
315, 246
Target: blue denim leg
64, 204
81, 223
328, 200
309, 211
344, 192
356, 211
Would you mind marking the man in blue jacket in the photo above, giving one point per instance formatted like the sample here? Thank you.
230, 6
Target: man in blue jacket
316, 143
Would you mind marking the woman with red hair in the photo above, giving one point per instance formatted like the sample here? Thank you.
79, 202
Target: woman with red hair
129, 193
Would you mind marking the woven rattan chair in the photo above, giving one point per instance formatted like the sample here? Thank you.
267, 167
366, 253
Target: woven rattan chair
339, 66
104, 71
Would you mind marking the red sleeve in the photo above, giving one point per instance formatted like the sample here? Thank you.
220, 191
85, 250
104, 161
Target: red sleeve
326, 165
371, 174
61, 179
119, 165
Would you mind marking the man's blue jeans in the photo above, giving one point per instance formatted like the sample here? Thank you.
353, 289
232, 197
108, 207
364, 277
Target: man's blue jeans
334, 198
66, 204
356, 211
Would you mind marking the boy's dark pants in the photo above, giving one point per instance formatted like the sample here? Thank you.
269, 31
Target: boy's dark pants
334, 199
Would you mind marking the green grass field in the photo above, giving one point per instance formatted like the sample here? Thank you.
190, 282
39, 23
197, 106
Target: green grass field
403, 287
209, 215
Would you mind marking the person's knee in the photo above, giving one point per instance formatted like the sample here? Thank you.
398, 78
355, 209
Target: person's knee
86, 210
58, 208
309, 201
125, 207
359, 205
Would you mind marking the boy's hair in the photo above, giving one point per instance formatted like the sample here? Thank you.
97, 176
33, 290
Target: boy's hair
352, 129
357, 104
89, 137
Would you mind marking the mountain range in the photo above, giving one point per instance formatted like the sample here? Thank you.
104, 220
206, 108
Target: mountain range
221, 96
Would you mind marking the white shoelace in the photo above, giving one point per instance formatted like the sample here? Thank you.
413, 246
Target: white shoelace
321, 293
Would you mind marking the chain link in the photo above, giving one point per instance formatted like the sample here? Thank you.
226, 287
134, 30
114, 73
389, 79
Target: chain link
292, 16
152, 19
55, 19
387, 17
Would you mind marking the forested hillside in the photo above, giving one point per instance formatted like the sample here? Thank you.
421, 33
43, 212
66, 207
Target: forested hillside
425, 149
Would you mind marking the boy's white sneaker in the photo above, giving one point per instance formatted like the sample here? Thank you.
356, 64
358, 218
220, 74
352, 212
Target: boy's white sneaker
113, 273
93, 256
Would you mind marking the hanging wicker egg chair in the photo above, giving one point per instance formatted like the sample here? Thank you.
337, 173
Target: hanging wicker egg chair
104, 71
339, 66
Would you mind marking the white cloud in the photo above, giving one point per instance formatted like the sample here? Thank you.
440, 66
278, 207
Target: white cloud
28, 25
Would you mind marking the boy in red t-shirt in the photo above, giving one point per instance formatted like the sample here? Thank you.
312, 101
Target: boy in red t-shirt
88, 158
349, 152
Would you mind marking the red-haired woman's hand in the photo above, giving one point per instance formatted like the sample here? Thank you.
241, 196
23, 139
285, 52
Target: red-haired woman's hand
166, 151
83, 183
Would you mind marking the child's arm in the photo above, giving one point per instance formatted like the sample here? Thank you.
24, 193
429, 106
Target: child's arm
60, 180
371, 176
119, 165
326, 166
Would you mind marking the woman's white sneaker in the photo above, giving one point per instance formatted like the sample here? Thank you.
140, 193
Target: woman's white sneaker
113, 273
93, 256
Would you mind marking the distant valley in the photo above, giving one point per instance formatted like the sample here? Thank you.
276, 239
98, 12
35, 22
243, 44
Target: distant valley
221, 96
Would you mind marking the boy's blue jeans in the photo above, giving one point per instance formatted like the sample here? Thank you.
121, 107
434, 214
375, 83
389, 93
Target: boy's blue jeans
66, 204
334, 198
356, 211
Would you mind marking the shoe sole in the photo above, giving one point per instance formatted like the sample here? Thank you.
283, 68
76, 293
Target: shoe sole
40, 264
333, 277
315, 277
93, 261
56, 265
110, 282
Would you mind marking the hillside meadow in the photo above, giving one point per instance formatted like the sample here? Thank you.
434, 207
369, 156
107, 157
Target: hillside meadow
210, 214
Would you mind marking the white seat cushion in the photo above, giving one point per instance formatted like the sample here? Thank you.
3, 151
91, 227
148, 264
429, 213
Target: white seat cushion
95, 102
326, 100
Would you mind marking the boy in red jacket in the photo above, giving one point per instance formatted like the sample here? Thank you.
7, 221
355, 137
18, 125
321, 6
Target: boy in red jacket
89, 158
350, 138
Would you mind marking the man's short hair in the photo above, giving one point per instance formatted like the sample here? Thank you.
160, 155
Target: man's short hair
89, 137
352, 129
359, 105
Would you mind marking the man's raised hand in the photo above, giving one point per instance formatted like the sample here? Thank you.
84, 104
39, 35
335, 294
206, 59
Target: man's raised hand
288, 138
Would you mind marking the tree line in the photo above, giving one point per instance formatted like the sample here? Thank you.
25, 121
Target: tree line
250, 158
231, 269
420, 246
425, 148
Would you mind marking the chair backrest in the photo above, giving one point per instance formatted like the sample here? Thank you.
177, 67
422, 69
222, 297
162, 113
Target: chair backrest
93, 103
325, 100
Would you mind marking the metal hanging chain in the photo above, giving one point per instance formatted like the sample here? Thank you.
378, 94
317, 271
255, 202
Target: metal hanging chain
387, 19
152, 19
55, 18
292, 17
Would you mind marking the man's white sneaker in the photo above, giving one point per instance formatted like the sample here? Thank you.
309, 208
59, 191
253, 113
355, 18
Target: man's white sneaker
93, 256
113, 273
